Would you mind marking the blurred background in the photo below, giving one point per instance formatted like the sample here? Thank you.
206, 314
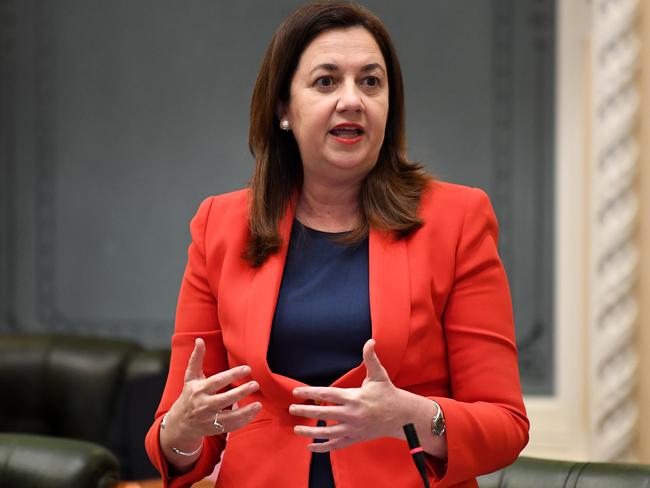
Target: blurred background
118, 118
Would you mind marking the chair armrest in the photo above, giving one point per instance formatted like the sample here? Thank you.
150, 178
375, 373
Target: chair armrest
32, 461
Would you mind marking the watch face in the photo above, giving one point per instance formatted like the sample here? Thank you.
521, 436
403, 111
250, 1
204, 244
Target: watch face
438, 422
438, 426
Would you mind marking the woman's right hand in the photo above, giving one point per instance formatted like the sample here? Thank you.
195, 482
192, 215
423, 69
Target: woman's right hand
193, 414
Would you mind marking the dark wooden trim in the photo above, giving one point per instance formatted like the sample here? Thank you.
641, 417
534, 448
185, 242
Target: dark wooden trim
7, 163
536, 339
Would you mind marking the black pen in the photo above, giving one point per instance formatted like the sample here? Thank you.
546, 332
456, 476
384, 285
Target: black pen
416, 451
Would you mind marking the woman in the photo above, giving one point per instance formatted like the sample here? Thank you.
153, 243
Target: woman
341, 296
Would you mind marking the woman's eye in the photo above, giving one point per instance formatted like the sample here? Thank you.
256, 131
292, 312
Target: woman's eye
371, 81
324, 82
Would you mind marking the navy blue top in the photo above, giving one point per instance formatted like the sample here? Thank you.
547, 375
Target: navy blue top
322, 317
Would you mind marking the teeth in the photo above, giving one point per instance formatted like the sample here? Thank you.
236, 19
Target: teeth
346, 132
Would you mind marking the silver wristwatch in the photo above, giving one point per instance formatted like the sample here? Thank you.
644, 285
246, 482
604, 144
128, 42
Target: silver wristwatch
438, 422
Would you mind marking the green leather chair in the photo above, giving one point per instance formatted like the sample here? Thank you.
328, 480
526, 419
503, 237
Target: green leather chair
31, 461
101, 391
544, 473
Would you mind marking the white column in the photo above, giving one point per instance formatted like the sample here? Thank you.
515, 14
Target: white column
614, 253
593, 414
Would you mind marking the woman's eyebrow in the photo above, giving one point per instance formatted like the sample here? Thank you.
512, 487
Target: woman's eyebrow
372, 67
333, 68
325, 67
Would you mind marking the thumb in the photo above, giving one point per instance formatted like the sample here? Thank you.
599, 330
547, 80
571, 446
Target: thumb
194, 369
374, 370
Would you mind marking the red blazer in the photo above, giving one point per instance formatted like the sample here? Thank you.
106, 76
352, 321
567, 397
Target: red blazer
442, 320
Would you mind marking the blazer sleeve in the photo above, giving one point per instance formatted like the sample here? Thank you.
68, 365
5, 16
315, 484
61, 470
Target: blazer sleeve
196, 316
485, 417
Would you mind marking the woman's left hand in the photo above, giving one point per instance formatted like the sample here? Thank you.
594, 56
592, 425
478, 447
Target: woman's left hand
376, 409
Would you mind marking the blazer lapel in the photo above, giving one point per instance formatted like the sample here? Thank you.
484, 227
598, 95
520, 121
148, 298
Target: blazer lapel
390, 298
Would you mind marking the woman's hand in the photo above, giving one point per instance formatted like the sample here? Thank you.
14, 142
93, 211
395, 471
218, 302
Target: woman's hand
377, 409
193, 415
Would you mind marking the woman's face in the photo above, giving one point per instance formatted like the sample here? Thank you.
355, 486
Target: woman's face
338, 105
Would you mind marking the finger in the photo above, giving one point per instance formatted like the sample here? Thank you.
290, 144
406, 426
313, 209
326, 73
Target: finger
222, 379
323, 394
325, 432
223, 400
332, 444
375, 371
238, 418
194, 369
319, 412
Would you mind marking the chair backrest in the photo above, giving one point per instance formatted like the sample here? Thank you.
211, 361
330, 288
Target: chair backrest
544, 473
61, 385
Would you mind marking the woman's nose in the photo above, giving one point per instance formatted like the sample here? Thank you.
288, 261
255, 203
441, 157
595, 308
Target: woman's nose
350, 98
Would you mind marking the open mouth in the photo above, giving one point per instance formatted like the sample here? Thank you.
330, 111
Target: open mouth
346, 132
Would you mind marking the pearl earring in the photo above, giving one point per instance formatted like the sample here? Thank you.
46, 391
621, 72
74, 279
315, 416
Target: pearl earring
284, 124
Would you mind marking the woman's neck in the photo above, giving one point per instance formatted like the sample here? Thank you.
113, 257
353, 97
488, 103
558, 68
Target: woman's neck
328, 208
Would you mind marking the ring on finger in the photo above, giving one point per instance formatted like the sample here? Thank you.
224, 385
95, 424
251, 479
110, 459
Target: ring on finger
217, 425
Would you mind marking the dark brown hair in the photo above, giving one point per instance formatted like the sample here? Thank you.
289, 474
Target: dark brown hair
389, 194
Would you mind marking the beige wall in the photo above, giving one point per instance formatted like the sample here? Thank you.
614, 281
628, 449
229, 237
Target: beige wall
643, 447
